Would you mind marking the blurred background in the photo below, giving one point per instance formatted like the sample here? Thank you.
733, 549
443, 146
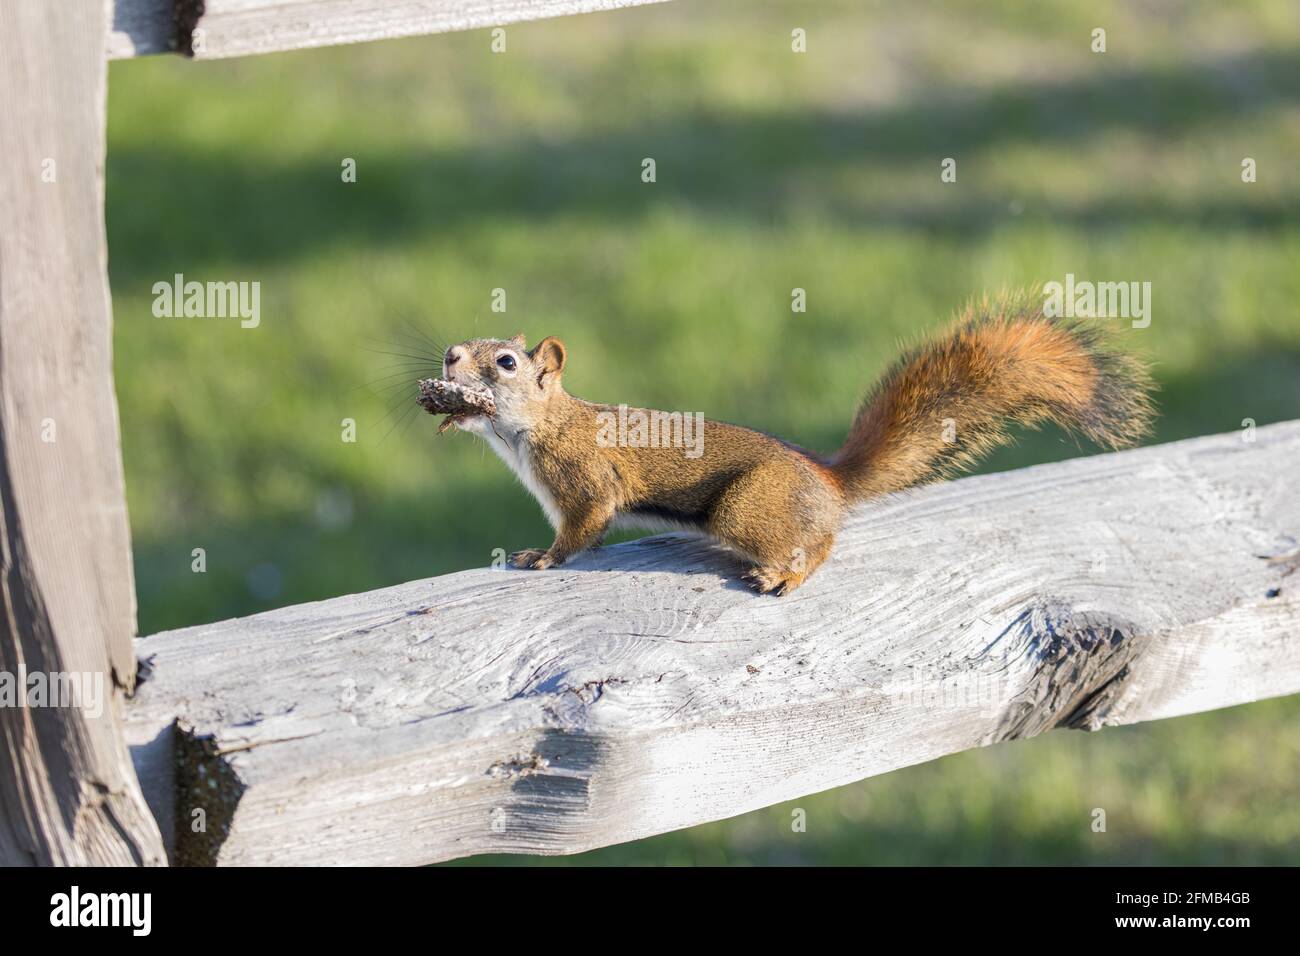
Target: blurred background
522, 171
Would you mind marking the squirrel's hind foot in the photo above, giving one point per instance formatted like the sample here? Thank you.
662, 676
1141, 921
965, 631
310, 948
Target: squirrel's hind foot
780, 577
778, 581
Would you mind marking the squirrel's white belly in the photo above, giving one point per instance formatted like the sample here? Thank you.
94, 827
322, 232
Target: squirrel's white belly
631, 520
516, 457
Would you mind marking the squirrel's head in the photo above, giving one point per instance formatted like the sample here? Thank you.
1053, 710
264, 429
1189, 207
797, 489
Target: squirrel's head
522, 380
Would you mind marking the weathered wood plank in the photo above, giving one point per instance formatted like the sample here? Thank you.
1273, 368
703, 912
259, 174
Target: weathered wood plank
224, 28
644, 688
68, 793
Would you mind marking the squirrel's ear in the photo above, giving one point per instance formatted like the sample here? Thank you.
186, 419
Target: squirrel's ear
548, 356
518, 341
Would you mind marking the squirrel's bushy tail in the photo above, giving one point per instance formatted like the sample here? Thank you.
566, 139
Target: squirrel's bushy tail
944, 405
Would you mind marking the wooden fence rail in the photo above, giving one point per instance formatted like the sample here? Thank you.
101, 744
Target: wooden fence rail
645, 688
208, 29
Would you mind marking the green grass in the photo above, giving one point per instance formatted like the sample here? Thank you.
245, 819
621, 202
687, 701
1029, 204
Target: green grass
522, 171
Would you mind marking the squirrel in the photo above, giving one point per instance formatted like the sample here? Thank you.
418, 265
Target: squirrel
937, 410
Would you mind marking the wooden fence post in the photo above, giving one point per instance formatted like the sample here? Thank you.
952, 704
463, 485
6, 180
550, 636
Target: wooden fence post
68, 792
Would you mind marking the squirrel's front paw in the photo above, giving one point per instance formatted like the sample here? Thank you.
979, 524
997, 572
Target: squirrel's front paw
533, 559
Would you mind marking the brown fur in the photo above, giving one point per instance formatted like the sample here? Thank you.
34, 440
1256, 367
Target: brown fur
935, 412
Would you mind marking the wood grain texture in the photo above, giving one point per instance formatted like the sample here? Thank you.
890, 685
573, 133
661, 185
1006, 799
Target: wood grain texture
68, 793
643, 688
223, 28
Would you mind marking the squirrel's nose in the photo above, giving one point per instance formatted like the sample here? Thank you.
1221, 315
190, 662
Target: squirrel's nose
454, 355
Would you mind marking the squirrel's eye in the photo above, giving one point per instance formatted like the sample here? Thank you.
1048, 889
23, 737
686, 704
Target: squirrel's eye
507, 362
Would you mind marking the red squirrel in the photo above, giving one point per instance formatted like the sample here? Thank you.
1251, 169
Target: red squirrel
935, 412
